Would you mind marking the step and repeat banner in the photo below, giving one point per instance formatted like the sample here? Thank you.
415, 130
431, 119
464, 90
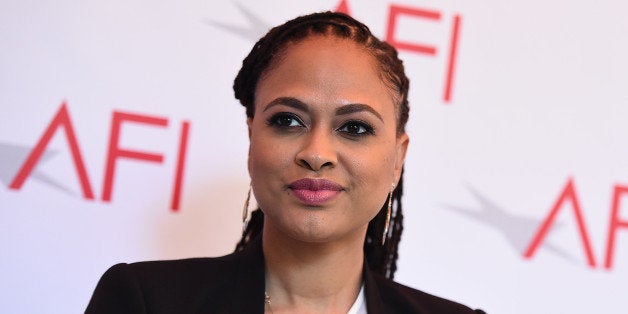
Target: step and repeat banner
120, 141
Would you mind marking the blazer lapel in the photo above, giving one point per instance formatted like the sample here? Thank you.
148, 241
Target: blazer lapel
245, 292
374, 303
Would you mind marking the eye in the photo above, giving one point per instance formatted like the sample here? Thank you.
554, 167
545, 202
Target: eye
356, 128
285, 120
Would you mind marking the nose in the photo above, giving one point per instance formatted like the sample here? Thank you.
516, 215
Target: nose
317, 151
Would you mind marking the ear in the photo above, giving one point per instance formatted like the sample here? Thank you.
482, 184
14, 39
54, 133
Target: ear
401, 148
249, 123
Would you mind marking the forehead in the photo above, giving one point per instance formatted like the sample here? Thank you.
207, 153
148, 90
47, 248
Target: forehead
325, 68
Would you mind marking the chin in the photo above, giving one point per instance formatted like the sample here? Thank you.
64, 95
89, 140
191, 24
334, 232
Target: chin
313, 230
311, 225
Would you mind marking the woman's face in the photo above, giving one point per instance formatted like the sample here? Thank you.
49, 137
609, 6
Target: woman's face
324, 150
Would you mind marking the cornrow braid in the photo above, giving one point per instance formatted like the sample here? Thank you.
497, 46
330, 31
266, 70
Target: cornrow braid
271, 46
381, 259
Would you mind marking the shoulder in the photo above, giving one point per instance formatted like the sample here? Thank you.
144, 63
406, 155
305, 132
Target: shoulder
157, 286
398, 298
192, 271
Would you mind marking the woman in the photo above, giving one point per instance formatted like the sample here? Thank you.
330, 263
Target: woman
327, 105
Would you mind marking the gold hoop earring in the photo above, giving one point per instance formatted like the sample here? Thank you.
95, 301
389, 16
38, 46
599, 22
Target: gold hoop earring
245, 211
388, 214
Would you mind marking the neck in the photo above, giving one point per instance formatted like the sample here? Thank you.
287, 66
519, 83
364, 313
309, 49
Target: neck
312, 277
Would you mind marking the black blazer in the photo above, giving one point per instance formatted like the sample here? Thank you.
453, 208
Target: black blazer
233, 284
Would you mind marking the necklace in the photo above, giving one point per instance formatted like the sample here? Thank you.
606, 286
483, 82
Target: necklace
267, 302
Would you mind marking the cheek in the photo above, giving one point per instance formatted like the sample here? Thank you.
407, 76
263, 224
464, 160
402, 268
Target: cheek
373, 168
267, 158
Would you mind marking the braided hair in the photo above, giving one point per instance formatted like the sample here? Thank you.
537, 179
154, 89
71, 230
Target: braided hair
381, 259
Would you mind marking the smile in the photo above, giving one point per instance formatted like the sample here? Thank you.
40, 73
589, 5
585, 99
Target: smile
315, 191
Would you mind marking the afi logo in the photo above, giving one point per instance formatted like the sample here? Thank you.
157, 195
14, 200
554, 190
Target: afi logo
569, 195
62, 121
526, 234
396, 12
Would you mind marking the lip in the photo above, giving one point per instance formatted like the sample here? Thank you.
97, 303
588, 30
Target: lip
315, 192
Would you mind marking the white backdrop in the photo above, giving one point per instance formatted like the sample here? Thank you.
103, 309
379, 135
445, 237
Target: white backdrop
536, 109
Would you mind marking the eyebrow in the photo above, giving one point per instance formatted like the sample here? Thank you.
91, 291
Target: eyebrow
351, 108
343, 110
287, 101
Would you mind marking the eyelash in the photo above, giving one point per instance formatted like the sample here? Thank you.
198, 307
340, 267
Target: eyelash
368, 129
279, 120
275, 120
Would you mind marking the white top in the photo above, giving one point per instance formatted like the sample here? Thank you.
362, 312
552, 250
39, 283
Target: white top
359, 306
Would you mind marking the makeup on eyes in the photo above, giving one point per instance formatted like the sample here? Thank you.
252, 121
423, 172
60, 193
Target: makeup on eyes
364, 128
290, 121
344, 109
285, 120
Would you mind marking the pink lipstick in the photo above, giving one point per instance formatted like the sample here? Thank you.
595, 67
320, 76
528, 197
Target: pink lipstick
315, 192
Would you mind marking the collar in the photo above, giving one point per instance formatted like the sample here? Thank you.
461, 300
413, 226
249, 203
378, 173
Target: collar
245, 294
374, 303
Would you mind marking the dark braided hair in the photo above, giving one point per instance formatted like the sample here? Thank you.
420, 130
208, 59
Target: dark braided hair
381, 259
